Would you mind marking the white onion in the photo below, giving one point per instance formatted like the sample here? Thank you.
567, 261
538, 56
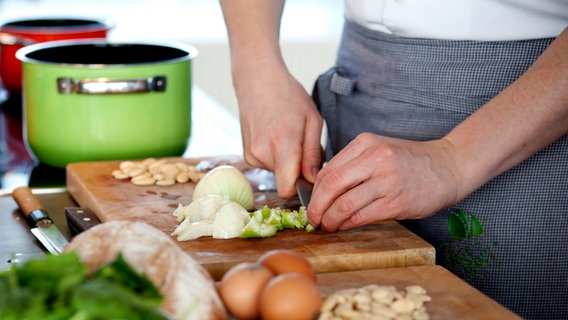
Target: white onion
203, 208
211, 215
188, 230
230, 221
226, 181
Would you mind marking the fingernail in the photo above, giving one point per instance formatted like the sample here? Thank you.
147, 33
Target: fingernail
315, 171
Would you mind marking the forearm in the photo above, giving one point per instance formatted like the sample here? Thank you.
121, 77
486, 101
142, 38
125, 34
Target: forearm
253, 27
523, 119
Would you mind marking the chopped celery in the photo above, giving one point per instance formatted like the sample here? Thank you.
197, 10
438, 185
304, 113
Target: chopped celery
310, 228
303, 216
289, 219
267, 221
257, 229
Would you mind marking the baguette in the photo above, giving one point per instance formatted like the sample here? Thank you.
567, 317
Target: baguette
188, 289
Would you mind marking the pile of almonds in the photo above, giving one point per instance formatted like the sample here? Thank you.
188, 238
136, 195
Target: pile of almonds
160, 172
376, 302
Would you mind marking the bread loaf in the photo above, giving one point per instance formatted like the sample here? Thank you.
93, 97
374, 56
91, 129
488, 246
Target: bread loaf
188, 289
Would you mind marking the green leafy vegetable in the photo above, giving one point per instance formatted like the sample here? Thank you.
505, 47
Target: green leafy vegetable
59, 287
467, 256
462, 226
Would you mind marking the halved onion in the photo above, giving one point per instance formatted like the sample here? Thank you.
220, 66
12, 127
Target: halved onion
230, 221
226, 181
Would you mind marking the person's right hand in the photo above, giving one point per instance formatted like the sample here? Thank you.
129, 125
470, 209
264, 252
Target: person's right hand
280, 124
281, 127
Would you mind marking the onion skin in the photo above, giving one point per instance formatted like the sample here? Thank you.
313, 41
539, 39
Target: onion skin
229, 182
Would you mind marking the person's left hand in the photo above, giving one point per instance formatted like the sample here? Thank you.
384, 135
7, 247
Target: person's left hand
378, 178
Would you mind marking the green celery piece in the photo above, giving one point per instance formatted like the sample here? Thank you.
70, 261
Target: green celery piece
257, 229
310, 228
303, 216
266, 212
257, 215
290, 219
274, 219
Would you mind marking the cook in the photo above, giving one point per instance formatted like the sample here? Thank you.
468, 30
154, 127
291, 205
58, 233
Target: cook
451, 116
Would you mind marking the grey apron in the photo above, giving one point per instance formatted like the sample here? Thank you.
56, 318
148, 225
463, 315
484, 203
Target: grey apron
509, 239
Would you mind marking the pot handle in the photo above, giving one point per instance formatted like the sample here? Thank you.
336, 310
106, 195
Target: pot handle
111, 86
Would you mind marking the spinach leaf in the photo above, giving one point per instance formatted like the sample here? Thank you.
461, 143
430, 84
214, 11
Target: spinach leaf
60, 287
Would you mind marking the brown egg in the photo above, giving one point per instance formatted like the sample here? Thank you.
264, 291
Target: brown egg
240, 289
290, 296
284, 261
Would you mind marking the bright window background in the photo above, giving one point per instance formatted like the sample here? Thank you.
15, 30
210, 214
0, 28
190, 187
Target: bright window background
310, 32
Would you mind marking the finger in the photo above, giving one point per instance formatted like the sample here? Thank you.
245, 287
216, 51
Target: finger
373, 212
264, 159
354, 150
312, 151
287, 155
352, 205
329, 188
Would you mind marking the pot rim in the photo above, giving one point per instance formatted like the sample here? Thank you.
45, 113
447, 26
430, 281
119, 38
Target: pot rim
95, 25
22, 53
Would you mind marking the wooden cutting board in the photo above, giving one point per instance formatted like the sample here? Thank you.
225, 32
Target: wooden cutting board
381, 245
452, 298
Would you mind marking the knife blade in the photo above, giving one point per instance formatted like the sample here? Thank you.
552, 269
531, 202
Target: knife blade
304, 189
43, 227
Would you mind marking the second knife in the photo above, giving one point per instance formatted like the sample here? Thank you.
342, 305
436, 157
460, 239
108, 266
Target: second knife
43, 227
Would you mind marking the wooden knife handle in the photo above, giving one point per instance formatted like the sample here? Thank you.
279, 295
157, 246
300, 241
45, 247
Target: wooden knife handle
29, 205
80, 219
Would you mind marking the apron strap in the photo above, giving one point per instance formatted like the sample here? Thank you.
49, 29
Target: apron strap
341, 85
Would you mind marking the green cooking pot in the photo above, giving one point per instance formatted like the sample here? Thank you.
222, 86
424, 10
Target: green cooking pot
87, 100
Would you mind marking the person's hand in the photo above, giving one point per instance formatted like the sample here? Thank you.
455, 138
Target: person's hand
378, 178
280, 125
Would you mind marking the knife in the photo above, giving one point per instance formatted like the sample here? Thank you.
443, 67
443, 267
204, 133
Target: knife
43, 227
304, 189
80, 219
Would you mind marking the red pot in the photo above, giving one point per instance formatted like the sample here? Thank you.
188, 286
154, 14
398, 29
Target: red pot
19, 33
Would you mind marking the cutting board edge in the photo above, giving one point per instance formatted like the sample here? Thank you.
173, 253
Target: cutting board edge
79, 194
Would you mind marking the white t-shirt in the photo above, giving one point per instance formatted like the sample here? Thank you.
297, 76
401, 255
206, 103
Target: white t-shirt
462, 19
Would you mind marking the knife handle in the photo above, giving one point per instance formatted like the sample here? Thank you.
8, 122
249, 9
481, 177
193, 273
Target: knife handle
30, 206
80, 219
